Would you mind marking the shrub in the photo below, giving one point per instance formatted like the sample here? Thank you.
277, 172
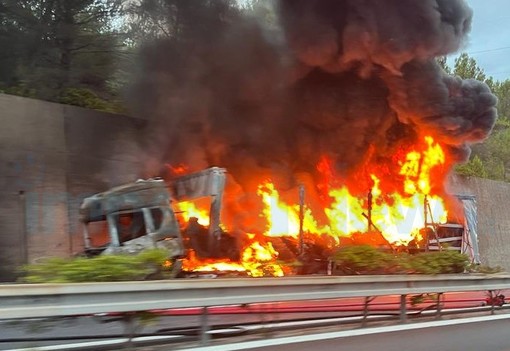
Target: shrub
439, 262
475, 268
105, 268
364, 259
86, 98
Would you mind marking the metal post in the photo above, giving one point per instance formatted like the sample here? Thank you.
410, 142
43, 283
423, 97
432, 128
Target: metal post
369, 215
403, 308
439, 305
365, 310
425, 223
425, 212
215, 213
204, 327
491, 299
130, 328
301, 218
433, 224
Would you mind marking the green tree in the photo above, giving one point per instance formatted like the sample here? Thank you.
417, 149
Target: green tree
59, 45
502, 91
499, 147
177, 19
466, 67
474, 167
492, 158
10, 36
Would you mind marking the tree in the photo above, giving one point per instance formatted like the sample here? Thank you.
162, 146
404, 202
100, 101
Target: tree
492, 158
502, 91
474, 167
9, 42
466, 67
499, 147
59, 45
177, 19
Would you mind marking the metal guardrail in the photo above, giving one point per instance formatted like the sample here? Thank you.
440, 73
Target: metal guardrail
50, 300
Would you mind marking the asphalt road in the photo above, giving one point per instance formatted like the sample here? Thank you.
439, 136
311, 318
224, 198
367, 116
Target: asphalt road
481, 336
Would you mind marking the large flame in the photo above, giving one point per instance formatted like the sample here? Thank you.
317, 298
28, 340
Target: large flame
398, 215
189, 209
394, 205
257, 260
283, 219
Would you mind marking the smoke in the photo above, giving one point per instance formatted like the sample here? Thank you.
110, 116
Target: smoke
350, 79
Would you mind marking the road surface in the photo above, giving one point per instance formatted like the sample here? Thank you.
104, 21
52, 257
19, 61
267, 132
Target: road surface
476, 336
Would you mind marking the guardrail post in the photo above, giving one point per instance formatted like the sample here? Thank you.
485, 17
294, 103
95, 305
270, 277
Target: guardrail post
491, 299
130, 327
403, 308
204, 327
440, 297
365, 310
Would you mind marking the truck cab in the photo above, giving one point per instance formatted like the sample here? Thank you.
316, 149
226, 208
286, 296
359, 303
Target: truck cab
131, 218
139, 215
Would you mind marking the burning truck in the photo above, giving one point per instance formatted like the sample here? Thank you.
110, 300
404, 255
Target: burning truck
137, 216
154, 213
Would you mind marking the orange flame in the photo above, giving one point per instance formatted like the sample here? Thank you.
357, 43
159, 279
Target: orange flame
281, 218
394, 202
398, 215
188, 209
284, 219
258, 260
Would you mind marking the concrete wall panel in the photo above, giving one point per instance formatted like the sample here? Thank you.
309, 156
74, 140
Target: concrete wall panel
51, 157
29, 124
493, 202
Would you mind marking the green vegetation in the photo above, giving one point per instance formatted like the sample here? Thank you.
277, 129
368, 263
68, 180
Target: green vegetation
474, 167
104, 268
87, 98
485, 269
153, 264
365, 259
490, 159
49, 47
439, 262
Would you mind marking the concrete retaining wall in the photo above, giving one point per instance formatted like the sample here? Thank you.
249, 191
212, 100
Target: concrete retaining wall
493, 203
51, 156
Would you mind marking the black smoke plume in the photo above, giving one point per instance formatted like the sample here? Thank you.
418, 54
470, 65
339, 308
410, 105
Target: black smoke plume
350, 79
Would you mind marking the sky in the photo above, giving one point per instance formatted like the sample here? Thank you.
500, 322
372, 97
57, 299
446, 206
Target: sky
489, 40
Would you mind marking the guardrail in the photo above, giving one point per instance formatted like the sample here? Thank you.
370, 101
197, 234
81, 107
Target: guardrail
50, 300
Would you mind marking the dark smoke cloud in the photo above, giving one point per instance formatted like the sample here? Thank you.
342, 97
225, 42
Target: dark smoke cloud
350, 79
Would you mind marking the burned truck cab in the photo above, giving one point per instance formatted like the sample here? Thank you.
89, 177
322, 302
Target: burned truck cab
131, 218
